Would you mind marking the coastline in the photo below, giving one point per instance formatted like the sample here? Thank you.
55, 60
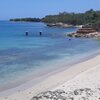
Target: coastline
51, 81
84, 86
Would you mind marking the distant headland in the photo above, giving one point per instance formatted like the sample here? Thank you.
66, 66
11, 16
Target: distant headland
71, 19
89, 22
26, 20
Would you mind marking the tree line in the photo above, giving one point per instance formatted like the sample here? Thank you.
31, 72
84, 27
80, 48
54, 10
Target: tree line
26, 19
89, 17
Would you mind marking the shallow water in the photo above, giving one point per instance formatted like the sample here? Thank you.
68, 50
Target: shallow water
21, 55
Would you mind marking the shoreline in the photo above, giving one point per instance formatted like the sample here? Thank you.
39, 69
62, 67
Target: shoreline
56, 79
32, 79
85, 85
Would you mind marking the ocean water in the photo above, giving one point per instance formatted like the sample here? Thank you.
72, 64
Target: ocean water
21, 55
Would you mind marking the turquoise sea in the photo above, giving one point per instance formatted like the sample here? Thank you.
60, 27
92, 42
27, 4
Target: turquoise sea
21, 55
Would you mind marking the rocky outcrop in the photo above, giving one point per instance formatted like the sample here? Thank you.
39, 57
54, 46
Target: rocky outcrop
88, 32
77, 94
59, 25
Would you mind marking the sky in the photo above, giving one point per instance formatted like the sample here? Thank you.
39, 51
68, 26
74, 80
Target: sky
40, 8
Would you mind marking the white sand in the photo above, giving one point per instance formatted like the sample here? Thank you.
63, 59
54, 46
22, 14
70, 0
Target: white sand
82, 75
89, 79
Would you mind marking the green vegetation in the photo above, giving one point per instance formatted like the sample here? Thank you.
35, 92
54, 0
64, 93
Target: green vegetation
26, 19
89, 17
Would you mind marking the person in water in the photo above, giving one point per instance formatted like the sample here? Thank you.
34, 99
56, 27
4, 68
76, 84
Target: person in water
26, 33
40, 33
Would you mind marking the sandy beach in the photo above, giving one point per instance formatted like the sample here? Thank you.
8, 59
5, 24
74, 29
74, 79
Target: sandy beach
79, 76
50, 50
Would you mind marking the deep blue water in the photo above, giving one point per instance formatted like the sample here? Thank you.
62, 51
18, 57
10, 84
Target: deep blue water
21, 55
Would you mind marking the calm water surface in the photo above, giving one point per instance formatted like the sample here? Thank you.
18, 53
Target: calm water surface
20, 55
